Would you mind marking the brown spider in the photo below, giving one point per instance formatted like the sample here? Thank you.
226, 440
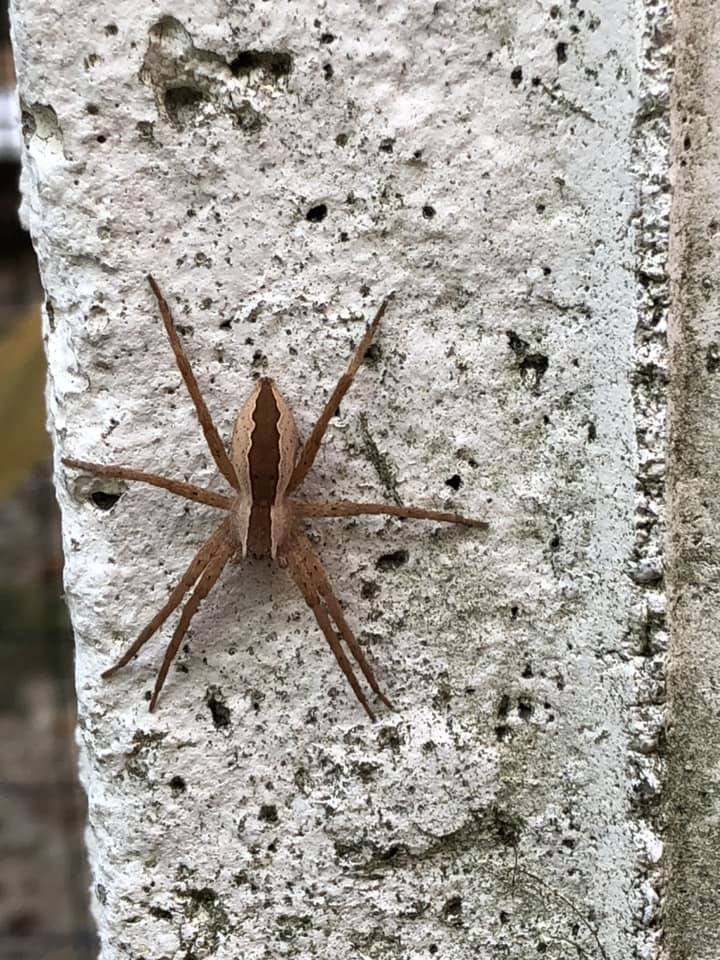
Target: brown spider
262, 519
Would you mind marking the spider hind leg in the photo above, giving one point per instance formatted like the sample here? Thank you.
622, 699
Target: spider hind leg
205, 584
335, 611
198, 563
304, 566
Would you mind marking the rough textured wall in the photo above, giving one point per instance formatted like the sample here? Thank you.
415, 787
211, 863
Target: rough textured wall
692, 807
280, 168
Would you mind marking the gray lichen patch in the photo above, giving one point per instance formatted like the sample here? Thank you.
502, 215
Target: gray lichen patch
385, 470
139, 757
206, 922
532, 365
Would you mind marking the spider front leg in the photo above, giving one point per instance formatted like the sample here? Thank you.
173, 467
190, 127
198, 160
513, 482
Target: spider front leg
312, 444
217, 448
181, 489
305, 568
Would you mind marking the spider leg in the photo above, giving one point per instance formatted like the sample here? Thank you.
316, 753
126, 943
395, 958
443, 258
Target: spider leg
348, 508
181, 489
199, 562
305, 569
205, 584
336, 612
312, 444
214, 442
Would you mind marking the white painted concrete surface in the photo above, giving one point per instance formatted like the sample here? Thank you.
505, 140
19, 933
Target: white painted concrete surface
488, 162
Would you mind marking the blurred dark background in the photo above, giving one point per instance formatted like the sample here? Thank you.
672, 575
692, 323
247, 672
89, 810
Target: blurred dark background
43, 873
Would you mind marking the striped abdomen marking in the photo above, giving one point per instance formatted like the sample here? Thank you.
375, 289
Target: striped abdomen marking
264, 445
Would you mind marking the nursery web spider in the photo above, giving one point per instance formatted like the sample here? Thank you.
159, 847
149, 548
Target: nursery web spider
262, 519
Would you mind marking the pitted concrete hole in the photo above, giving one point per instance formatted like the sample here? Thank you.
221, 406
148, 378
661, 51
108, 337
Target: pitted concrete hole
274, 64
185, 77
103, 500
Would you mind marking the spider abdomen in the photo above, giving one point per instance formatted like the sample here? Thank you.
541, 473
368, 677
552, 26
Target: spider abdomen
263, 453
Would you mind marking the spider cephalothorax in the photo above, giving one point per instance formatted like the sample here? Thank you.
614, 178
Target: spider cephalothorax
262, 518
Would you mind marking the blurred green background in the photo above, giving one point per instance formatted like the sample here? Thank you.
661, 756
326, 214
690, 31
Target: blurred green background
43, 873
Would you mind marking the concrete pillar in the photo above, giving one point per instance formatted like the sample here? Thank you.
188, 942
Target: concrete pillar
692, 797
280, 168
